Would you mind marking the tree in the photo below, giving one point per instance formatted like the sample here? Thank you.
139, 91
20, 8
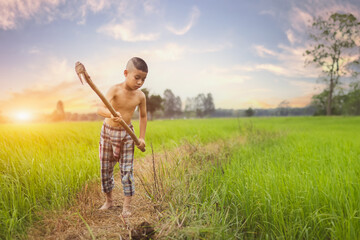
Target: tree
200, 105
178, 105
333, 49
190, 105
203, 104
209, 104
172, 104
59, 113
283, 108
146, 92
320, 102
352, 100
153, 102
249, 112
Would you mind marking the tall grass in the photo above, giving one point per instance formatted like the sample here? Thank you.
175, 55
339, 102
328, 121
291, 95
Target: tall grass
296, 178
42, 166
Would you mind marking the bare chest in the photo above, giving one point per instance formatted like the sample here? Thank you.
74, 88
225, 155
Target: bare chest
125, 101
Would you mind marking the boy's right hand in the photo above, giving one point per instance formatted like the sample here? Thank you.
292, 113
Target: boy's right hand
116, 119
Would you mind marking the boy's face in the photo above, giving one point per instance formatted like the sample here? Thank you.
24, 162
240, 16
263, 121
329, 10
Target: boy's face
134, 78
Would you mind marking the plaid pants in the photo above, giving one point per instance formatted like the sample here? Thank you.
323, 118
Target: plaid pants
116, 145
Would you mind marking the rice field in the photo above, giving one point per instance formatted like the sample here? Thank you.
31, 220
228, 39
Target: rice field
42, 166
293, 178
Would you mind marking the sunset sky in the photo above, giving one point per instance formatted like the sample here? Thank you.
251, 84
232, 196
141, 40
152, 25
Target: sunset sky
246, 53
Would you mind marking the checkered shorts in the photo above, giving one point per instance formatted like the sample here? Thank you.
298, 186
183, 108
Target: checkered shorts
115, 146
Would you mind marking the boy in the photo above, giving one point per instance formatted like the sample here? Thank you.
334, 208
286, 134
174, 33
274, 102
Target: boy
115, 144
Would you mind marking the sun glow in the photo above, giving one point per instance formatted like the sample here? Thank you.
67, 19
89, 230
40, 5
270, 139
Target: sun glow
23, 116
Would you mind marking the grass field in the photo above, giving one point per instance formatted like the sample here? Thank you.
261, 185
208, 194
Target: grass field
42, 166
294, 178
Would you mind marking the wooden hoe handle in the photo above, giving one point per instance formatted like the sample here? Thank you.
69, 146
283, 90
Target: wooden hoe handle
83, 75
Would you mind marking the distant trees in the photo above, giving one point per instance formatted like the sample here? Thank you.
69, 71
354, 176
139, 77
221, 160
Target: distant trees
334, 50
209, 106
153, 103
283, 108
172, 104
202, 105
168, 106
343, 103
249, 112
59, 113
351, 100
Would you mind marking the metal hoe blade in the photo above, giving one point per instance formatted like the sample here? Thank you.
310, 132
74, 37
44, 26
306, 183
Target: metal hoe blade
80, 71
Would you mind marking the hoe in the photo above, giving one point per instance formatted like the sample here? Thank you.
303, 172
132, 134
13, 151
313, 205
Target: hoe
83, 75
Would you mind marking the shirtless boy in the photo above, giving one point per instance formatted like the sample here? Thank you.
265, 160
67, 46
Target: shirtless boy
115, 144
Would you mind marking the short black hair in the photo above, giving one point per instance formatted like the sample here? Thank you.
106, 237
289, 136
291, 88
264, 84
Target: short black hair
139, 64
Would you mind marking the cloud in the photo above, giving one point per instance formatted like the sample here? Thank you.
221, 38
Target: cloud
291, 37
302, 13
307, 87
54, 70
300, 20
194, 15
290, 62
174, 51
125, 31
152, 7
97, 5
268, 12
94, 6
12, 12
263, 52
278, 70
170, 51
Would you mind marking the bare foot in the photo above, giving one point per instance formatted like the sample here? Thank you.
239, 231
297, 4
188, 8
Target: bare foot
126, 207
106, 205
126, 212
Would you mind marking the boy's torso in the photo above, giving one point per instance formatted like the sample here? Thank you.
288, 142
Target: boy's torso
125, 102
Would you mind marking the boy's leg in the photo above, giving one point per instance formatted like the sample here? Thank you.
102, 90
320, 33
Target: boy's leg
127, 178
108, 201
107, 163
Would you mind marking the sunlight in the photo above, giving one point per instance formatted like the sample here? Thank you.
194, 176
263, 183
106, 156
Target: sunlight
23, 116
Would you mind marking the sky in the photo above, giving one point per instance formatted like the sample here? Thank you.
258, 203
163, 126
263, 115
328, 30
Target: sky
246, 53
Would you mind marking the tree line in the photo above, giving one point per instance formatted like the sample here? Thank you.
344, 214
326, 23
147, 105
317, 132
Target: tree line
171, 106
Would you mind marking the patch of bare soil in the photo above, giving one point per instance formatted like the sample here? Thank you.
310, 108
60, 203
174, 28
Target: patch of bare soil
84, 220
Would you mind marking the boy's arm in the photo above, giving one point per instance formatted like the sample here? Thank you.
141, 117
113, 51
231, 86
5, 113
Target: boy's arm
143, 120
102, 109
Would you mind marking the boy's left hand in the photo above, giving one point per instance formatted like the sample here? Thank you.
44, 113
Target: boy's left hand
142, 144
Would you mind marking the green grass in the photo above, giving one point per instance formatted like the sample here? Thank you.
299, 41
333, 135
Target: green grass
296, 178
42, 166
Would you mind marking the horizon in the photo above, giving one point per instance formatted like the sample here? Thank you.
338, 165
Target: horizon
247, 54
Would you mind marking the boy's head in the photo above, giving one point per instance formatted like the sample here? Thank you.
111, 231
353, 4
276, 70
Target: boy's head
138, 64
135, 72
